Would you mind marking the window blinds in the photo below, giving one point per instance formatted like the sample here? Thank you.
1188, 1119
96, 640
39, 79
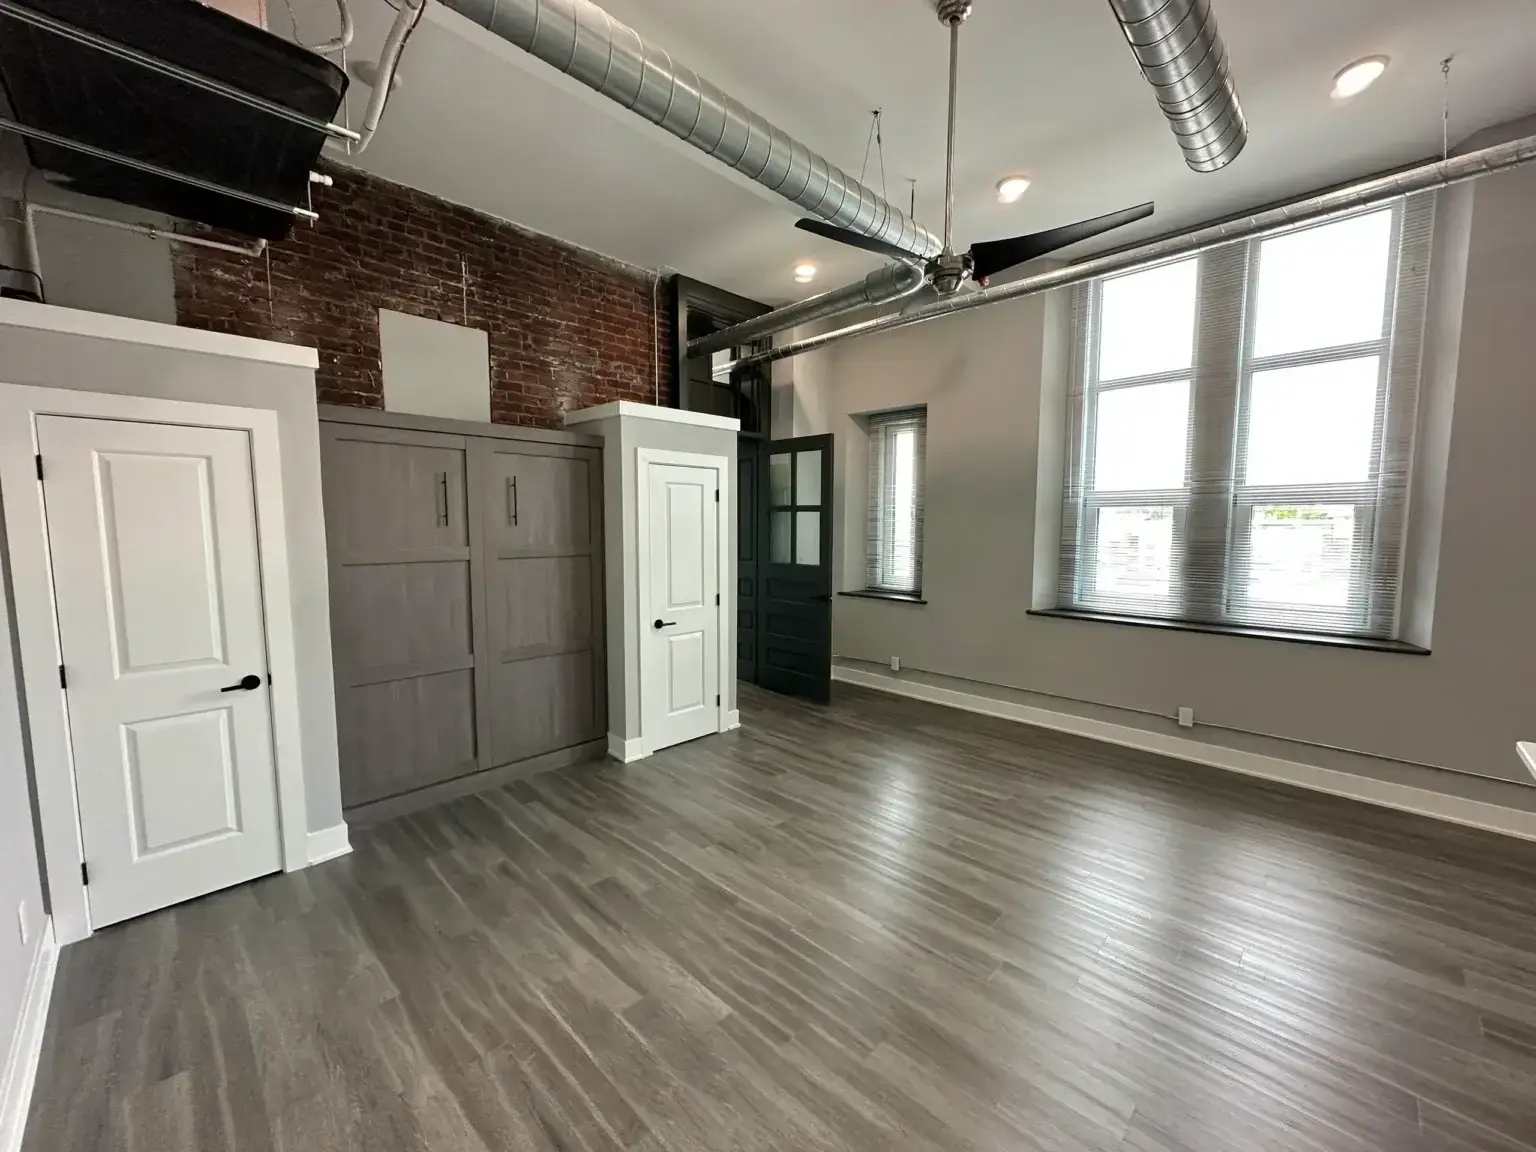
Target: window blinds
894, 551
1240, 430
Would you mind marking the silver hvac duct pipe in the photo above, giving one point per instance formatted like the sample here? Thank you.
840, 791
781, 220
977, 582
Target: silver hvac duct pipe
882, 286
1322, 206
581, 40
1184, 58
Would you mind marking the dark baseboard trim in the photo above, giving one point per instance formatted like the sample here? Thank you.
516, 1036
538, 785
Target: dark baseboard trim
1398, 647
434, 794
876, 594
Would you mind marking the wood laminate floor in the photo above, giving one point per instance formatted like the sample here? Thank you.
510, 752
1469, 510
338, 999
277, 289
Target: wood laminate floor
880, 925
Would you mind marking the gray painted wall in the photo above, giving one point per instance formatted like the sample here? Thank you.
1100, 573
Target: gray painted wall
622, 436
20, 876
56, 360
981, 375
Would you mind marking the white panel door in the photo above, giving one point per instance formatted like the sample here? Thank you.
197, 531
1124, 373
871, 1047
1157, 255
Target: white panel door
152, 537
680, 667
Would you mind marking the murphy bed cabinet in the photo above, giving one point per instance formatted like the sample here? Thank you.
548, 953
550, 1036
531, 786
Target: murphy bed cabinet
466, 604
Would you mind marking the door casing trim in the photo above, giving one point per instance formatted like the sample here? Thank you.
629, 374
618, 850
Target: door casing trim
37, 630
644, 458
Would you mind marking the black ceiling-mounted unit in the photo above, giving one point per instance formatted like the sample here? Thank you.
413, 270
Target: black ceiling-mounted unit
169, 105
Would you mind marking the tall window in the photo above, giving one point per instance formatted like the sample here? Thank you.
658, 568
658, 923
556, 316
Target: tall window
1241, 430
895, 548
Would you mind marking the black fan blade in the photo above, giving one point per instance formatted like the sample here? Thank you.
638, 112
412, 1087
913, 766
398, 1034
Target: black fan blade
853, 239
993, 256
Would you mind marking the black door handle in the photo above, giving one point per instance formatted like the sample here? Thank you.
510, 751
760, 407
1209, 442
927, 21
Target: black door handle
665, 624
248, 683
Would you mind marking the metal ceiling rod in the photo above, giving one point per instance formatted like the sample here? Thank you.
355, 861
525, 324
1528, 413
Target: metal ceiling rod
580, 39
1311, 209
155, 64
882, 286
9, 125
1183, 57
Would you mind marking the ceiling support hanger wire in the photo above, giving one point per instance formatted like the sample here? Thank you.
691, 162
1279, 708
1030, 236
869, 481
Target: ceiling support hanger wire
1445, 108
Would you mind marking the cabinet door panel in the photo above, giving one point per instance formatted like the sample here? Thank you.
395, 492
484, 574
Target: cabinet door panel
538, 504
395, 498
541, 606
542, 705
402, 735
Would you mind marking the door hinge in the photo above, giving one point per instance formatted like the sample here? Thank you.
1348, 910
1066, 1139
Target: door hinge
85, 873
63, 679
717, 699
717, 599
39, 465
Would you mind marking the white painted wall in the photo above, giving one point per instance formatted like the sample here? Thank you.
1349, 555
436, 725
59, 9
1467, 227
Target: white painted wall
989, 397
155, 363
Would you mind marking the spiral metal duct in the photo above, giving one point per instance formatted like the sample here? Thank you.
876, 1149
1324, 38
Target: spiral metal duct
581, 40
1182, 55
882, 286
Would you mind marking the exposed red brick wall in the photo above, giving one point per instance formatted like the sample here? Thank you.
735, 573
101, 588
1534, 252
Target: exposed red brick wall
568, 329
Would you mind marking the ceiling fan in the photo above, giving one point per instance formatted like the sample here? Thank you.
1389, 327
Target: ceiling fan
950, 270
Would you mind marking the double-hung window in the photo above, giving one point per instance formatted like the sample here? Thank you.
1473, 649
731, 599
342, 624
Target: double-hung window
1241, 427
894, 550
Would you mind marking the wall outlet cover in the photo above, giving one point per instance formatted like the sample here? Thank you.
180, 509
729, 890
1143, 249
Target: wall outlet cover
895, 663
1186, 717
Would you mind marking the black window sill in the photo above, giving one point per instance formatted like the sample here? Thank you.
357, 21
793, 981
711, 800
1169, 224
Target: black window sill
1362, 642
877, 594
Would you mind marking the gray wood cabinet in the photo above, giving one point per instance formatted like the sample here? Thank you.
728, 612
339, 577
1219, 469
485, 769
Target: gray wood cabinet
466, 604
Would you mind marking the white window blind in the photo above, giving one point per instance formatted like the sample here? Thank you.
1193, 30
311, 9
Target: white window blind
894, 553
1240, 426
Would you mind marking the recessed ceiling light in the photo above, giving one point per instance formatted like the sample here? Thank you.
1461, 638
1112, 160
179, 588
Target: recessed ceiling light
1010, 188
805, 272
1359, 76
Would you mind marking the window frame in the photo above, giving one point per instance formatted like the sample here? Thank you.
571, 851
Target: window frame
881, 428
1213, 510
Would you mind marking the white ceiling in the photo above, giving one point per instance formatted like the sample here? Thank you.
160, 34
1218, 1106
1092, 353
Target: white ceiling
1047, 88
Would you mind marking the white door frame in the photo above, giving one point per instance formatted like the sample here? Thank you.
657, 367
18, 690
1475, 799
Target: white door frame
644, 458
37, 629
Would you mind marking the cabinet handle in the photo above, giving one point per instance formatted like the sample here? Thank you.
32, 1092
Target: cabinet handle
512, 501
443, 479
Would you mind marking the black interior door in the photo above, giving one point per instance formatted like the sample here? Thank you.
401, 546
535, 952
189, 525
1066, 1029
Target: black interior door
749, 471
794, 566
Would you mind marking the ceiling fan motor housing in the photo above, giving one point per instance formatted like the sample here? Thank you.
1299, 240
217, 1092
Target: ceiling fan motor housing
953, 11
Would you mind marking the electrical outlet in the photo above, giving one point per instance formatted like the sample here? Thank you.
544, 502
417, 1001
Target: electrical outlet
1186, 717
895, 663
23, 921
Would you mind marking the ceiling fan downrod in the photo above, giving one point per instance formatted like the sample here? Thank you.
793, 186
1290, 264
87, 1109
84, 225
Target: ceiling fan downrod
950, 271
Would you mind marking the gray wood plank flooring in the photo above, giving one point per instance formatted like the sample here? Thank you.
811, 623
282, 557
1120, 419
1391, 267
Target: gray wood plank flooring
879, 925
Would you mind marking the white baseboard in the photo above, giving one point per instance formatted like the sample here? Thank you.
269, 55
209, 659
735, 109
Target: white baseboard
625, 751
1384, 793
732, 720
328, 843
26, 1048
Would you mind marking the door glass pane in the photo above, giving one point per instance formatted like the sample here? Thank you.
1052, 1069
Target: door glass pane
1147, 322
779, 478
808, 477
1324, 286
1141, 437
1314, 424
808, 538
1301, 555
1134, 556
778, 537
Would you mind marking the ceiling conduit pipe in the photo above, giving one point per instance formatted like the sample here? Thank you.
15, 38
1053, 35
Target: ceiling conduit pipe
1183, 57
882, 286
581, 40
1310, 209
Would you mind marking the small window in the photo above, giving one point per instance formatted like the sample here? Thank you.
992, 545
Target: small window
894, 557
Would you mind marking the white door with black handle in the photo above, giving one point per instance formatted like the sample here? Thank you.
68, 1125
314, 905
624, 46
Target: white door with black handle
680, 618
157, 578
